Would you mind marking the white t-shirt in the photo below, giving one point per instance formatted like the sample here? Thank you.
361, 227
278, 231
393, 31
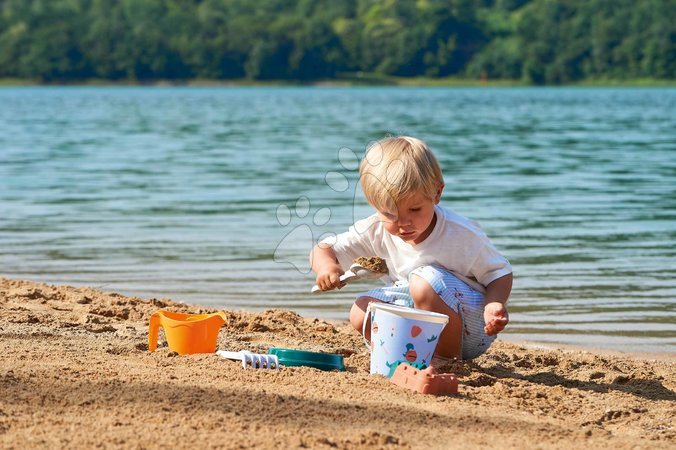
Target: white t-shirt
456, 243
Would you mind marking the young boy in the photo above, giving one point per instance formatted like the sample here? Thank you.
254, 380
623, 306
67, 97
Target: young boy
438, 260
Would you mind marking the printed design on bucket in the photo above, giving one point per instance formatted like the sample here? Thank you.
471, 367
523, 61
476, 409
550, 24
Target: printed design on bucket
411, 355
411, 336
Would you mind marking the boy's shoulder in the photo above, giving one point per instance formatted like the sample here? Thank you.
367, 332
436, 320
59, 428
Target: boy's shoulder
458, 221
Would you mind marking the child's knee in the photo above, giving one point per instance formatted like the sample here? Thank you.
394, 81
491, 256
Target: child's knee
422, 292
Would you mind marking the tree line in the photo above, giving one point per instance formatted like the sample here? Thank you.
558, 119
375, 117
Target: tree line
535, 41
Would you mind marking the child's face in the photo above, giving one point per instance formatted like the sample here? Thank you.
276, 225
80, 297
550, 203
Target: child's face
414, 219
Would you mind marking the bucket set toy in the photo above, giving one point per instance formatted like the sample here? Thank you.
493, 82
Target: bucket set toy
401, 334
254, 360
402, 345
186, 333
198, 333
286, 357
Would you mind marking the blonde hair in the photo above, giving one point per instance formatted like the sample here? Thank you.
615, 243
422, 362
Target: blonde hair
395, 168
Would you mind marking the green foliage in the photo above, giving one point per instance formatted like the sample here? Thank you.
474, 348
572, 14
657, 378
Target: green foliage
535, 41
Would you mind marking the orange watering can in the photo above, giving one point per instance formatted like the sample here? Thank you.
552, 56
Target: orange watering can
186, 333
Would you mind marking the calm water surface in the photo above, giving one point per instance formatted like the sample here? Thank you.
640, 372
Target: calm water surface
215, 195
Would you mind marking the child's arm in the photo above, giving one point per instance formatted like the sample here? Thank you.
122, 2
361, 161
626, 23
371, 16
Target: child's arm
495, 313
325, 264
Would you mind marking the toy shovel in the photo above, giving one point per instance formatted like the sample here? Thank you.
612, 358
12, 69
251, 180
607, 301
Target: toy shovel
355, 272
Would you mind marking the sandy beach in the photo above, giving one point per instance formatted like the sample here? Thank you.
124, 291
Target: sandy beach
75, 372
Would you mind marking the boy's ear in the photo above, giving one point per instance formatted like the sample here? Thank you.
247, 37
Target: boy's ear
439, 191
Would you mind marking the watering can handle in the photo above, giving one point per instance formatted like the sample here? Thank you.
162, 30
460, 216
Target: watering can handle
363, 327
153, 330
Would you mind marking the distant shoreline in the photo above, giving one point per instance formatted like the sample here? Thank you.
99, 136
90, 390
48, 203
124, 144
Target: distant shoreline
353, 81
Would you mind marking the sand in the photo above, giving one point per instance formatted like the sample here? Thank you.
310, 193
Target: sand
75, 372
373, 263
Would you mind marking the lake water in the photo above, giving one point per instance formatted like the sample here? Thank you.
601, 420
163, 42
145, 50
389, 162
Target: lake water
215, 195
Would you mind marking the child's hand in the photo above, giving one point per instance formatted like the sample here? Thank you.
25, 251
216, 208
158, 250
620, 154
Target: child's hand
496, 318
329, 278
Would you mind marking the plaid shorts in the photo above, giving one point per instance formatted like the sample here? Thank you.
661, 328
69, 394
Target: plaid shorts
458, 295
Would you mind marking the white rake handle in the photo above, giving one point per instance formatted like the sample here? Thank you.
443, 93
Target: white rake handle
254, 360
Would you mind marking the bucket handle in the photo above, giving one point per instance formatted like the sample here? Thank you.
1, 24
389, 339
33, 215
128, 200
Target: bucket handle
363, 327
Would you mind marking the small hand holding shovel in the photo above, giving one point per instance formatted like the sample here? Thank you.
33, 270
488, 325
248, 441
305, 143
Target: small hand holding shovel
355, 272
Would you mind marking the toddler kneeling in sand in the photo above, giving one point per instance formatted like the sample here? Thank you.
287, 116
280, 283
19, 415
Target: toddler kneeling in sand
438, 260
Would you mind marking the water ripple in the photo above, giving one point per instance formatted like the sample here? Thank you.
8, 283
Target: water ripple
173, 192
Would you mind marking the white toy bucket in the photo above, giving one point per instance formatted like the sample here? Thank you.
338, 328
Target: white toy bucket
401, 334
